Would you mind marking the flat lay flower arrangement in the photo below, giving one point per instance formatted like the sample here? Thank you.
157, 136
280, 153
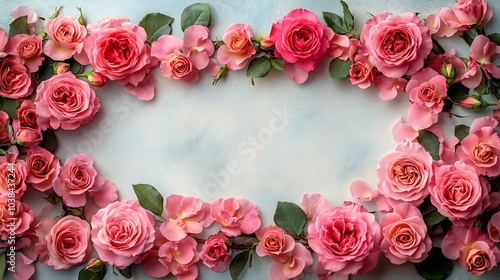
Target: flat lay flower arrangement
437, 198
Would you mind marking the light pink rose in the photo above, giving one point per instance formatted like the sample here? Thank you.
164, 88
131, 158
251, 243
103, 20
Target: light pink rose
16, 79
404, 235
150, 259
64, 243
122, 231
494, 227
32, 17
187, 215
4, 38
404, 176
396, 45
481, 148
355, 236
388, 87
63, 101
473, 248
199, 48
291, 265
362, 72
66, 37
43, 168
28, 48
238, 46
16, 218
12, 176
117, 49
180, 258
483, 51
78, 177
301, 40
472, 12
459, 193
342, 47
314, 204
235, 216
273, 241
215, 254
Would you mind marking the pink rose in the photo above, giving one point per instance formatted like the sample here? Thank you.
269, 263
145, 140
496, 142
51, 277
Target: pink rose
215, 252
472, 12
32, 17
362, 72
66, 37
16, 79
26, 115
238, 46
235, 216
79, 177
346, 239
64, 243
342, 47
16, 218
404, 235
43, 168
4, 38
459, 193
314, 204
12, 176
65, 101
117, 49
96, 79
473, 249
301, 40
404, 176
388, 87
481, 148
62, 67
273, 242
396, 45
483, 51
27, 137
494, 227
187, 215
180, 258
291, 265
122, 231
28, 48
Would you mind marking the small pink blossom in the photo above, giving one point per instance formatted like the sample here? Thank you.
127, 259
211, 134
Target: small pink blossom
43, 168
238, 46
16, 81
215, 254
362, 72
482, 50
235, 216
342, 47
16, 218
314, 204
28, 48
180, 258
273, 242
12, 176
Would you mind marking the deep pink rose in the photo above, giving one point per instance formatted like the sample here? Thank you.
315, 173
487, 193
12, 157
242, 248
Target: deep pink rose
63, 101
28, 48
362, 72
459, 193
238, 46
180, 258
215, 252
235, 216
43, 168
16, 218
404, 176
346, 239
273, 241
16, 79
117, 49
122, 231
78, 177
301, 40
473, 248
12, 176
64, 243
404, 235
396, 45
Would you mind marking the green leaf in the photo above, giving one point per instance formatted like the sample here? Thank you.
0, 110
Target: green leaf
276, 63
433, 219
430, 142
9, 106
339, 69
238, 264
90, 275
457, 92
436, 266
198, 13
3, 265
495, 38
149, 198
156, 25
290, 217
259, 67
348, 18
461, 131
49, 141
335, 22
126, 272
19, 26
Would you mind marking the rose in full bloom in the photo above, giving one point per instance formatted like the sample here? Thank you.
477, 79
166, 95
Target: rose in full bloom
291, 265
235, 216
396, 44
238, 46
346, 239
404, 235
20, 213
215, 252
28, 48
43, 168
63, 101
404, 176
462, 16
16, 79
459, 193
117, 49
187, 215
362, 72
12, 176
26, 115
64, 243
481, 148
273, 241
122, 231
314, 204
473, 248
302, 41
66, 37
78, 177
180, 258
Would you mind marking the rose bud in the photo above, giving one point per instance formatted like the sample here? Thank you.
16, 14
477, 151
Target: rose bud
28, 137
61, 67
471, 103
265, 42
448, 71
96, 79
